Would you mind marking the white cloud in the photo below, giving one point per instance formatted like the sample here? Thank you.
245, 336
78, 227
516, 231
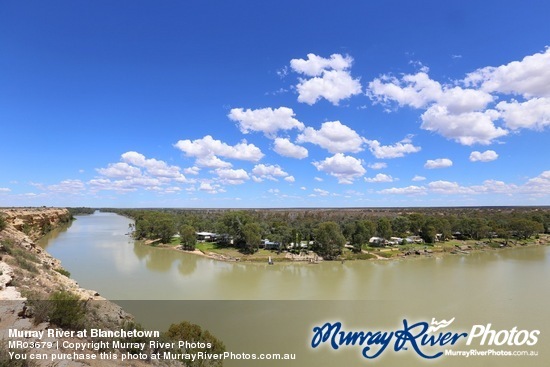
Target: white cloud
409, 190
266, 120
321, 192
447, 187
192, 170
318, 179
207, 150
416, 90
334, 86
316, 65
380, 177
290, 179
124, 185
65, 187
418, 178
269, 172
210, 188
538, 186
378, 165
344, 168
486, 156
211, 161
154, 167
334, 137
458, 100
466, 128
232, 176
529, 77
119, 170
329, 78
5, 189
532, 114
438, 163
397, 150
284, 147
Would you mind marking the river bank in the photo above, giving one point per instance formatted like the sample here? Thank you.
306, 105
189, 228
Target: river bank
440, 249
29, 277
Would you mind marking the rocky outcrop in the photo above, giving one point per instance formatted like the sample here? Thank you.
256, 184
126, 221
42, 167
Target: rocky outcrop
27, 271
35, 222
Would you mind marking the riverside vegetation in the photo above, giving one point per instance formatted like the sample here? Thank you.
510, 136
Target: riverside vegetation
341, 233
37, 294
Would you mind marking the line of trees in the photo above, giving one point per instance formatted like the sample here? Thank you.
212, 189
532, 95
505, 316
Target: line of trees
330, 229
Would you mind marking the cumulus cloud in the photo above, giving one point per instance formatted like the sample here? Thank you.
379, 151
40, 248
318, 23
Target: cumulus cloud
537, 186
316, 65
119, 170
5, 189
529, 77
380, 177
328, 78
266, 120
345, 168
211, 188
334, 137
454, 112
153, 166
533, 114
416, 90
232, 176
321, 192
67, 187
486, 156
269, 172
447, 187
207, 150
409, 190
378, 165
466, 128
396, 150
134, 172
418, 178
290, 179
438, 163
286, 148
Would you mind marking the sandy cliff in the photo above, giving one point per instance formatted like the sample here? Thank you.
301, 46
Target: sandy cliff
27, 271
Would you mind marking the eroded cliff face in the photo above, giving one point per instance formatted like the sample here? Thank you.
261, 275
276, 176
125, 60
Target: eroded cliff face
35, 222
27, 272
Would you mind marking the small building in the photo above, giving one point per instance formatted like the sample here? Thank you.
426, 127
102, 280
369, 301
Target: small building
206, 236
395, 241
270, 245
376, 241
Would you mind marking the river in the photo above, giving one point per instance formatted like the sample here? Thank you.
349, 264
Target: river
257, 308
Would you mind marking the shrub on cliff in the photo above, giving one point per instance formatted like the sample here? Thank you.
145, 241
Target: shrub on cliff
3, 223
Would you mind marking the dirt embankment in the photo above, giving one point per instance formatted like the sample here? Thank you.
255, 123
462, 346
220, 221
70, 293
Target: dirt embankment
28, 273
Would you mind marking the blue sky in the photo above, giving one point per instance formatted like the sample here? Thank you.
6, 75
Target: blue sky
274, 104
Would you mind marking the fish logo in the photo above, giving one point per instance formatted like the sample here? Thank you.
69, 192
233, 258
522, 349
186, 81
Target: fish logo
439, 325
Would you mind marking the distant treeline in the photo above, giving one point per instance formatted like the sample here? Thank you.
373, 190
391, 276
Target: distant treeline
81, 210
354, 226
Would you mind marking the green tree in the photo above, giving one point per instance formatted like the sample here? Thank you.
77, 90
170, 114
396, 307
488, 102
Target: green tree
524, 228
187, 237
363, 231
252, 235
193, 334
383, 228
329, 240
400, 225
3, 223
